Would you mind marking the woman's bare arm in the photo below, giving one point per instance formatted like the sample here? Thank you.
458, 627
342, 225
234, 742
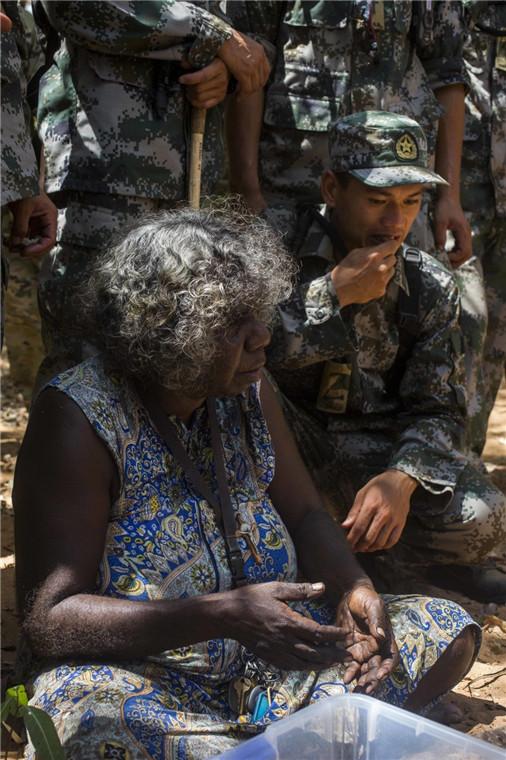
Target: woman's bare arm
65, 484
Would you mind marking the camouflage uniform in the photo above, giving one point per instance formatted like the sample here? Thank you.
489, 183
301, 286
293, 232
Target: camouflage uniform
21, 58
336, 58
365, 392
115, 125
483, 193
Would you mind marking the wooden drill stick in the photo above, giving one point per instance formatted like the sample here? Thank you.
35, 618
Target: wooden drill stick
198, 123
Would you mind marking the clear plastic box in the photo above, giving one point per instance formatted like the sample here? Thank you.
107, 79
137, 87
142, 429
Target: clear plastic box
356, 727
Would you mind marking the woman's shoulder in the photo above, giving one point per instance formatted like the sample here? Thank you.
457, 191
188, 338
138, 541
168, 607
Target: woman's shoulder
105, 397
90, 377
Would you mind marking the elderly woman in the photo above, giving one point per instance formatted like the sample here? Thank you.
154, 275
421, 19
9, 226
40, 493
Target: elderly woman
180, 582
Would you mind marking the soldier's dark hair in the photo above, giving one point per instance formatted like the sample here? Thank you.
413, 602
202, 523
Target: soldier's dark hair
161, 299
343, 179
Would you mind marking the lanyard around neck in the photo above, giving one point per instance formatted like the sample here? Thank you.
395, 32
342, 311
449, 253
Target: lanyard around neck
222, 506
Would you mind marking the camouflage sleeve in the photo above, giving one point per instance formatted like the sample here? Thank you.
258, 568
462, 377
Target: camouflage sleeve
309, 327
259, 20
161, 29
429, 448
440, 41
19, 165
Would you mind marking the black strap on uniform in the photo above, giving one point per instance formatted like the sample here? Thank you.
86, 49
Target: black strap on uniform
306, 215
408, 304
52, 46
222, 506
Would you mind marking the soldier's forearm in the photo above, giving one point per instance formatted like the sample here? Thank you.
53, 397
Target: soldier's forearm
449, 138
243, 123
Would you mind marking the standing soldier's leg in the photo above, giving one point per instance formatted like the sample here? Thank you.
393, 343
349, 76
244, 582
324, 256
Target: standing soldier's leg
20, 313
494, 359
474, 322
22, 323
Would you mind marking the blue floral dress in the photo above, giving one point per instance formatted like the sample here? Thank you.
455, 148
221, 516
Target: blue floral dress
163, 543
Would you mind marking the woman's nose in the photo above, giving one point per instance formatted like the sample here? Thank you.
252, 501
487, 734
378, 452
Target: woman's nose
258, 336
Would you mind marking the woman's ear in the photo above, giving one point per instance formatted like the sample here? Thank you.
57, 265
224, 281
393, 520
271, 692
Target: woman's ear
329, 188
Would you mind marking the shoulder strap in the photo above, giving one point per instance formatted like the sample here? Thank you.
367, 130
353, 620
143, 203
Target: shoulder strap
222, 507
408, 304
307, 214
227, 510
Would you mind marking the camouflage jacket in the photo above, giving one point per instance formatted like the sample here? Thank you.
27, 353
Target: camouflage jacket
356, 369
484, 154
21, 56
335, 58
112, 116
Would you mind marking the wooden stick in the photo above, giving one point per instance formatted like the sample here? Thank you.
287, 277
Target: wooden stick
198, 123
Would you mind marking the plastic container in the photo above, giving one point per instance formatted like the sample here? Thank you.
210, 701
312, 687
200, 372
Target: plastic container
356, 727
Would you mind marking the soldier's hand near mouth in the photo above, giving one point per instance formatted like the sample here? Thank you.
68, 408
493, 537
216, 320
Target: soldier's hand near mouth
363, 275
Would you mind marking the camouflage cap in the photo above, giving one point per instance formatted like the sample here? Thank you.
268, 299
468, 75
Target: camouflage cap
381, 149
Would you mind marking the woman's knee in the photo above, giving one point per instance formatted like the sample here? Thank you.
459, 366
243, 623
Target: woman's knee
460, 654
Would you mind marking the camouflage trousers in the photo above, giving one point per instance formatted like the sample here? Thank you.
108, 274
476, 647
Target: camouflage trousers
483, 293
87, 223
20, 313
461, 527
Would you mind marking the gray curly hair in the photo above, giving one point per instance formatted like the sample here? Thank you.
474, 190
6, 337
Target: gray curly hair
161, 299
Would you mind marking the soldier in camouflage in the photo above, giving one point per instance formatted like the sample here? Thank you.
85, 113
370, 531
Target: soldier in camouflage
336, 58
26, 213
367, 354
114, 118
483, 193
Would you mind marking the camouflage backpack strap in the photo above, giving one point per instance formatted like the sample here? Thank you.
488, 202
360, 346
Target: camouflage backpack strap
304, 220
306, 216
52, 45
408, 313
409, 303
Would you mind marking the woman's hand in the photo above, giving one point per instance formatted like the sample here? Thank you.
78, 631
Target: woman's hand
369, 638
260, 618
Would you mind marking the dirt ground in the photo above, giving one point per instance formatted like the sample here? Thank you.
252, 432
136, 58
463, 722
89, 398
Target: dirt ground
481, 696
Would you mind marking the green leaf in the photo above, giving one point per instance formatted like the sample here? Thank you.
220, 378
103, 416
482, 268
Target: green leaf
42, 734
19, 698
8, 707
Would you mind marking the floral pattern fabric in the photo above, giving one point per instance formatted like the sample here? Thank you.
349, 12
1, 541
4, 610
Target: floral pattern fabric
163, 542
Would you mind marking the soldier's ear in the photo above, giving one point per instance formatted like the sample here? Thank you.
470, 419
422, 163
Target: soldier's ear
329, 188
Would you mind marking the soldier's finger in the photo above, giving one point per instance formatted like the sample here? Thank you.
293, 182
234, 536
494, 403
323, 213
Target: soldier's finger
380, 542
359, 528
394, 536
387, 248
5, 23
208, 73
19, 230
354, 511
457, 257
377, 525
